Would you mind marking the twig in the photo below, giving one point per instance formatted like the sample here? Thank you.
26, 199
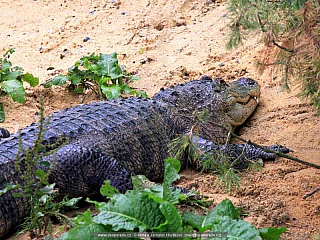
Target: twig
268, 150
277, 153
311, 193
281, 47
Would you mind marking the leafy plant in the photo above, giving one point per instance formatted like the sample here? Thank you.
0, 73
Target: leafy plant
292, 29
152, 209
100, 73
11, 81
34, 186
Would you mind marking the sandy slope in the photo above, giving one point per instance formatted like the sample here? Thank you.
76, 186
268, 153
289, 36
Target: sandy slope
167, 42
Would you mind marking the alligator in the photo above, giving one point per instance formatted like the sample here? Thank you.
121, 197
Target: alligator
115, 139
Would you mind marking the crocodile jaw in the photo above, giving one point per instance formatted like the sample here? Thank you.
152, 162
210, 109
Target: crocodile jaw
240, 111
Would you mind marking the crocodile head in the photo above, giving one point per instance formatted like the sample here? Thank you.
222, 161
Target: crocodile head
229, 104
241, 97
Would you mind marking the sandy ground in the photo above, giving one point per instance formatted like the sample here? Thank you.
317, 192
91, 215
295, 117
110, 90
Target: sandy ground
166, 42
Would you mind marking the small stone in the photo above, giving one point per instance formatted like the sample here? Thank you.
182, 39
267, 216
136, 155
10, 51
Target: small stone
86, 39
221, 64
124, 13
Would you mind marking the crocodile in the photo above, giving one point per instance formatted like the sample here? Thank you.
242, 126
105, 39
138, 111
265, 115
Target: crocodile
115, 139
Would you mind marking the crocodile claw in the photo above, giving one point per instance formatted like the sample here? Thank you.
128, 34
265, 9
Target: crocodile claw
277, 148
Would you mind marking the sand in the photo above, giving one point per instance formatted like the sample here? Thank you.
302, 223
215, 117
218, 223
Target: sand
166, 42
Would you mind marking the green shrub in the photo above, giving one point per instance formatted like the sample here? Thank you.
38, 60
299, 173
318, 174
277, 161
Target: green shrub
153, 210
100, 73
11, 81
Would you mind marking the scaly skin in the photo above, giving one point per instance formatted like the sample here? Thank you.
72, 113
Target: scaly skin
116, 139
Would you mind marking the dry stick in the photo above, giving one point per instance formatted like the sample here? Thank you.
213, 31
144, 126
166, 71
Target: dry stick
274, 152
311, 193
268, 150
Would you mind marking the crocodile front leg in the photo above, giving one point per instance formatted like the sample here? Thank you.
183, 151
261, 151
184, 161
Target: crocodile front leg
239, 154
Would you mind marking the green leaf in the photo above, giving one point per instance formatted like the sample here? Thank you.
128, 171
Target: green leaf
109, 65
8, 188
141, 94
72, 202
107, 190
40, 174
6, 65
202, 223
165, 192
226, 208
75, 79
48, 189
47, 84
197, 221
43, 199
172, 168
59, 80
111, 92
126, 89
131, 211
87, 217
173, 219
8, 53
14, 89
29, 78
81, 232
40, 214
140, 182
99, 205
94, 68
2, 113
12, 75
236, 229
45, 163
271, 233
